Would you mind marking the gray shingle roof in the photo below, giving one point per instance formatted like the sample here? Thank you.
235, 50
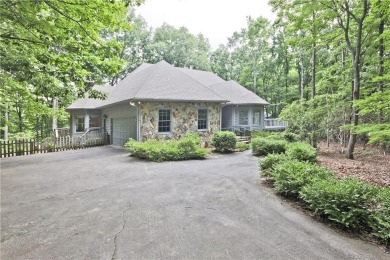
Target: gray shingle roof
206, 78
237, 94
164, 82
90, 103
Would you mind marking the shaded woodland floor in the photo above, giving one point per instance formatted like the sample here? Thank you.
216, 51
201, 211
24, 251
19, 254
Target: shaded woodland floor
370, 164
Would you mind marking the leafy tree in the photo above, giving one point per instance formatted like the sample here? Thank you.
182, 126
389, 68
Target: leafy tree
178, 47
54, 50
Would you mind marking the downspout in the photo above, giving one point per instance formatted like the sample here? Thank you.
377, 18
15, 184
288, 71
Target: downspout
138, 124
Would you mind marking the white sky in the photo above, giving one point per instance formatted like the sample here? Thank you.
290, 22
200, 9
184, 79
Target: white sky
216, 19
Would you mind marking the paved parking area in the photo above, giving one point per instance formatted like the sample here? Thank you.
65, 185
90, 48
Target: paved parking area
99, 203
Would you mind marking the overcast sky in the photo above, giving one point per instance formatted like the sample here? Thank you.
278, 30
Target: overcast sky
216, 19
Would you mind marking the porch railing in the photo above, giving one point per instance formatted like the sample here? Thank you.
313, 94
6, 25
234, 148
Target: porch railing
273, 124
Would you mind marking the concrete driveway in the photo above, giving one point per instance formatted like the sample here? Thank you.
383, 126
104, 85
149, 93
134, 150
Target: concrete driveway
99, 203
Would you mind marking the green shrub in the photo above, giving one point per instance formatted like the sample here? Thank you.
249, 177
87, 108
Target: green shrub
262, 146
301, 152
290, 137
168, 150
291, 176
266, 134
380, 217
346, 201
224, 141
242, 147
268, 163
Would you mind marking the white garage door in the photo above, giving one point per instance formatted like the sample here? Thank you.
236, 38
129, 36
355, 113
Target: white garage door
123, 128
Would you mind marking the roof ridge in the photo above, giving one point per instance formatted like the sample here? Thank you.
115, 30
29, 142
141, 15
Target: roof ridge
200, 82
152, 67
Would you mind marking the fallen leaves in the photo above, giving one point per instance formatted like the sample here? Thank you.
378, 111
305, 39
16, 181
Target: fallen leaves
370, 164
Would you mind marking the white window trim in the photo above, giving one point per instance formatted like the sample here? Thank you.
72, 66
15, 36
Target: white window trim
75, 122
207, 120
170, 121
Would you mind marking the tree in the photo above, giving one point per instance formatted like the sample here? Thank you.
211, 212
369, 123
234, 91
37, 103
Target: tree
54, 49
179, 48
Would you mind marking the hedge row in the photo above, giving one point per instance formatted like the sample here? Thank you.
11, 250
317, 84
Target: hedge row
350, 203
168, 150
297, 150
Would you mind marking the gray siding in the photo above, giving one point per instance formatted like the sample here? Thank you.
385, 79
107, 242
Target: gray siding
124, 117
230, 116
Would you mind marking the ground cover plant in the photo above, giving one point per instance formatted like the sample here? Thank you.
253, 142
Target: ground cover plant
301, 152
242, 146
168, 150
264, 146
349, 203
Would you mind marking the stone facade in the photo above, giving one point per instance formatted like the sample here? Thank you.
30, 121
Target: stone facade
184, 119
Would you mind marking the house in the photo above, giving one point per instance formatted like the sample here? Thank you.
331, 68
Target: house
162, 101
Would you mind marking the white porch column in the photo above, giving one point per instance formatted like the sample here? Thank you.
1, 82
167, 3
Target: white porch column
86, 121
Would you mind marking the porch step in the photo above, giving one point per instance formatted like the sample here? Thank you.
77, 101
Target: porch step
243, 139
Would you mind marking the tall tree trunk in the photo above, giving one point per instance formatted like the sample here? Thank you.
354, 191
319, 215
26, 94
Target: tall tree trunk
313, 59
254, 77
380, 63
313, 77
302, 79
6, 118
356, 59
54, 124
355, 111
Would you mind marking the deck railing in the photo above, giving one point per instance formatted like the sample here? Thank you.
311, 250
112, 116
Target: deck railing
272, 123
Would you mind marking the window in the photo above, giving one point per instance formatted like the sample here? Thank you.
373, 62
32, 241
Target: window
202, 119
256, 118
243, 117
164, 120
80, 123
94, 121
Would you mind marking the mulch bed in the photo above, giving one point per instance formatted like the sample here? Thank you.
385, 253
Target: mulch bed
370, 165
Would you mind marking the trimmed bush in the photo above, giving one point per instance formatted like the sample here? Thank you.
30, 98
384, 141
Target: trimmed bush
242, 147
224, 141
268, 163
262, 146
380, 217
266, 134
301, 152
346, 202
168, 150
291, 176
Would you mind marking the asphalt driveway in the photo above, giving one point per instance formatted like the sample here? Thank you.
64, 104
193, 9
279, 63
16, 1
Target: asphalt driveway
99, 203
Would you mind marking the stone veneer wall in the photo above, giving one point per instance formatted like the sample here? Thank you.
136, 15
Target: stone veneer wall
184, 119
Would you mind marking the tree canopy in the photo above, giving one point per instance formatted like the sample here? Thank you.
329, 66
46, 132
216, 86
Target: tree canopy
322, 65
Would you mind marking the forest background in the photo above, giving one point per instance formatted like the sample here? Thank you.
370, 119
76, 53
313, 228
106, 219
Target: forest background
322, 65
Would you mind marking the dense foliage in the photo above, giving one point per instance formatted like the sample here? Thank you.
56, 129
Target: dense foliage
322, 65
52, 52
350, 203
264, 146
301, 152
346, 202
224, 141
168, 150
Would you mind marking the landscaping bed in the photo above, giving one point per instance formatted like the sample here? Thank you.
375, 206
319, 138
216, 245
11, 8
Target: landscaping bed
370, 164
350, 203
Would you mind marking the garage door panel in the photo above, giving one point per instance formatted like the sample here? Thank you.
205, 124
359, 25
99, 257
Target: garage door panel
123, 129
